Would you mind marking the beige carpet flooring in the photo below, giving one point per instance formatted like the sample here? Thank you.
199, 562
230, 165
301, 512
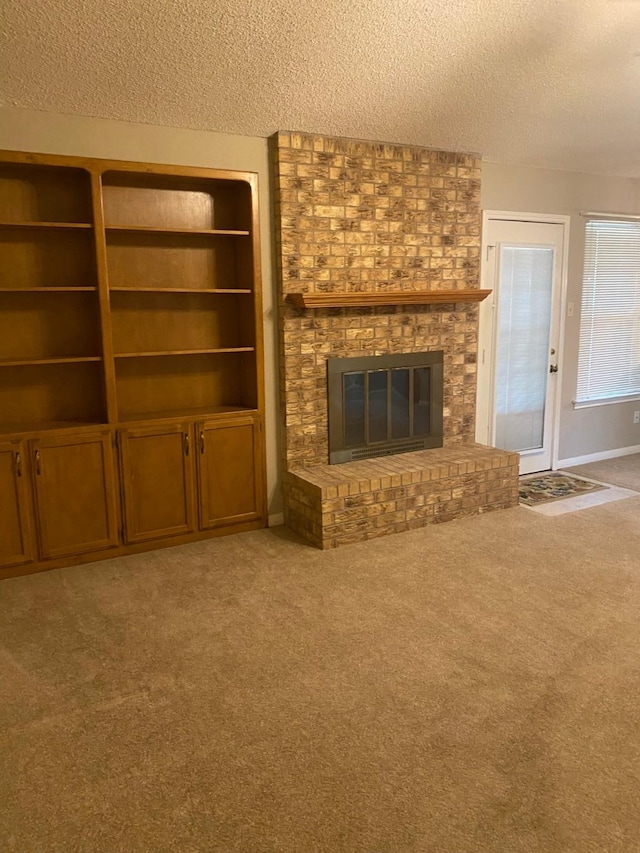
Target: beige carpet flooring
622, 471
473, 686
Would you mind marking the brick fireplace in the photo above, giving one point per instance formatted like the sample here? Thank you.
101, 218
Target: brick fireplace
374, 231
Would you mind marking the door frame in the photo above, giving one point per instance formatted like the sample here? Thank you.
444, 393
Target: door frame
486, 322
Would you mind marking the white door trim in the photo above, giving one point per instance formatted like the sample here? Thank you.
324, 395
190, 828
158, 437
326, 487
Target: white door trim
548, 219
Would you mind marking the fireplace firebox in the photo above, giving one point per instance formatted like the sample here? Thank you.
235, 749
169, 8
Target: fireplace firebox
386, 404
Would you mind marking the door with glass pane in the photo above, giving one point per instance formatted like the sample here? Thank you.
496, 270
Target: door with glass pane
519, 348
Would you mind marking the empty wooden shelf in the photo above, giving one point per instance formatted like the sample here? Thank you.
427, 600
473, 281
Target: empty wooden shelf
159, 230
59, 360
210, 290
44, 225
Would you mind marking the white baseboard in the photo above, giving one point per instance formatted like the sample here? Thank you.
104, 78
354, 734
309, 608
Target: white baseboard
276, 520
597, 457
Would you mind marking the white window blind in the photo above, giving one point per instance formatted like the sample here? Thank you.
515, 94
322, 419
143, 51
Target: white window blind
609, 360
524, 313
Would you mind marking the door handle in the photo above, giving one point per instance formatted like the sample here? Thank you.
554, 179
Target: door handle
553, 368
38, 465
18, 465
186, 444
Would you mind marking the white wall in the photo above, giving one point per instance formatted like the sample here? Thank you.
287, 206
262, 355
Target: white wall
49, 133
518, 188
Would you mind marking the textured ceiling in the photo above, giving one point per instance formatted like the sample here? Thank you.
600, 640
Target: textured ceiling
551, 83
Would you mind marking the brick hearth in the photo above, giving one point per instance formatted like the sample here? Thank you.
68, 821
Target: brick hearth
333, 505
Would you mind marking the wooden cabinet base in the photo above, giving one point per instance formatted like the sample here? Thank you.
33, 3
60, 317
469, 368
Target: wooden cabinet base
124, 550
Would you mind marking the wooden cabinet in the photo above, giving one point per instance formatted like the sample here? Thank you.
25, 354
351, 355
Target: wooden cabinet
75, 494
130, 305
72, 489
229, 488
170, 470
15, 530
157, 481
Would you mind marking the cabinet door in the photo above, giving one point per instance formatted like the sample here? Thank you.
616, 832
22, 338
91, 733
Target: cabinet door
157, 481
15, 531
75, 493
229, 472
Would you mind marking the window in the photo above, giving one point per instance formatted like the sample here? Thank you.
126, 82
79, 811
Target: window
609, 360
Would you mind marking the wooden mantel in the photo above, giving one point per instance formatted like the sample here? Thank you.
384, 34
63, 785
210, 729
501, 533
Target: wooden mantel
386, 297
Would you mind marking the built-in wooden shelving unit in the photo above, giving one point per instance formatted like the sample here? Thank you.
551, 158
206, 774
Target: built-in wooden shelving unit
131, 387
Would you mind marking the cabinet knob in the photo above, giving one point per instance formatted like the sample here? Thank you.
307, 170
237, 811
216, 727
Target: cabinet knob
186, 444
18, 465
202, 441
38, 464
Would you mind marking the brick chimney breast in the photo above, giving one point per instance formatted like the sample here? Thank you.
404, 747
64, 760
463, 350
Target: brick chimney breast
355, 216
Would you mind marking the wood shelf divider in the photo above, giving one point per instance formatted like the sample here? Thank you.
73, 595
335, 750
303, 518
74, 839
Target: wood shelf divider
32, 224
387, 297
154, 290
153, 229
180, 414
162, 353
48, 289
25, 362
48, 426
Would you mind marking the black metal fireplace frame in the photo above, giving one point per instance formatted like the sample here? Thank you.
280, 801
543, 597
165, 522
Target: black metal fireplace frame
337, 367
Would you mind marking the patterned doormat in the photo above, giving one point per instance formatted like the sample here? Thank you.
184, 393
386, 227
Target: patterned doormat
553, 487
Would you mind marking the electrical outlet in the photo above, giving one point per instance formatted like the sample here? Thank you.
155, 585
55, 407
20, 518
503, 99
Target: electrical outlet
636, 417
